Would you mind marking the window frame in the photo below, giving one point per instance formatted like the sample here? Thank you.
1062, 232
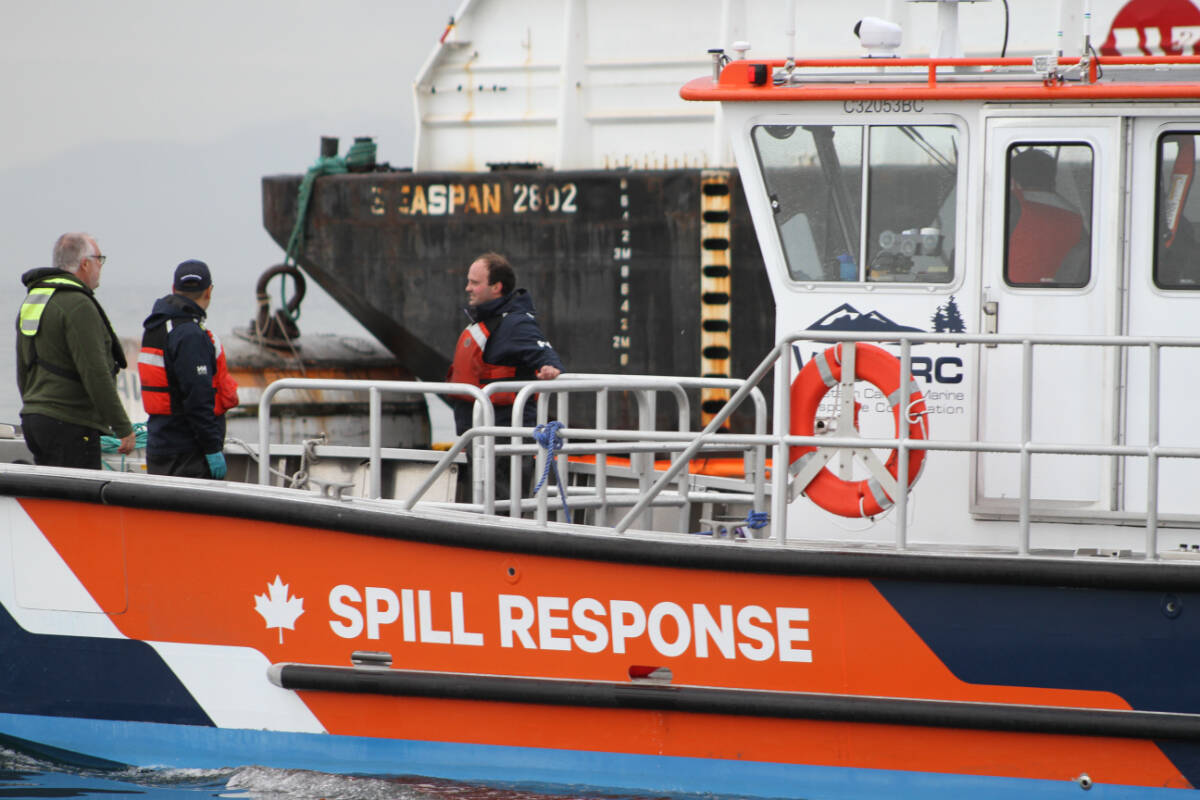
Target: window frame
954, 260
1158, 210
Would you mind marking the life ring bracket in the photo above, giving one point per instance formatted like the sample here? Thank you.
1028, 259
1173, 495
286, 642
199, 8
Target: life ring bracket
808, 466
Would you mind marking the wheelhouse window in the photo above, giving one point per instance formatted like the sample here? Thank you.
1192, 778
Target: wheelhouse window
1177, 214
893, 222
1048, 215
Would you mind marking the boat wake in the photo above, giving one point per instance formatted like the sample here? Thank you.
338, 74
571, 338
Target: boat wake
24, 774
265, 783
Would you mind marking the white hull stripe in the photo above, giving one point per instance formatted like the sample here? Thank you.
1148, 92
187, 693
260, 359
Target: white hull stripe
45, 597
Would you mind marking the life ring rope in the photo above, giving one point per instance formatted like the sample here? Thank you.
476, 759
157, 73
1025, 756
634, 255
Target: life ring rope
809, 464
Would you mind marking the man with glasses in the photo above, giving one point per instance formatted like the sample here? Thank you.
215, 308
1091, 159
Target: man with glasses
68, 357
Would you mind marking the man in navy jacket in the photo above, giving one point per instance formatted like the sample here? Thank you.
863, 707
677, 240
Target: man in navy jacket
182, 381
503, 342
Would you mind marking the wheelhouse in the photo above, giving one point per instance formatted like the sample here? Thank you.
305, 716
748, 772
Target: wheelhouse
1047, 202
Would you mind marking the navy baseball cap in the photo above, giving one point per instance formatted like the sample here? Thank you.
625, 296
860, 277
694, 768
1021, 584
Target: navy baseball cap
192, 276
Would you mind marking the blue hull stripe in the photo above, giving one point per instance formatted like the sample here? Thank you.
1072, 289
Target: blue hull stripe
201, 747
90, 676
1123, 642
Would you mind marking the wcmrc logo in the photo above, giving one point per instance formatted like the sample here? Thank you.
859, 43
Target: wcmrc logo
946, 319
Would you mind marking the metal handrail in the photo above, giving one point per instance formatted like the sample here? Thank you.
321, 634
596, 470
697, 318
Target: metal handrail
486, 431
374, 389
640, 385
686, 443
1026, 448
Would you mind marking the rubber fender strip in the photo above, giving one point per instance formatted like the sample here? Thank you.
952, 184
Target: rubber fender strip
648, 696
213, 500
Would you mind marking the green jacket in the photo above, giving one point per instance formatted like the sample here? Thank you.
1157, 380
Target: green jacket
77, 357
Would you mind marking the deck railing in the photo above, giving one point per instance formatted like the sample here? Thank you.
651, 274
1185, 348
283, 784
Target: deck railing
675, 487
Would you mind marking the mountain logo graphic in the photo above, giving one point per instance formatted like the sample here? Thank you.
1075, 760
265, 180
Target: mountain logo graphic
848, 318
277, 608
946, 319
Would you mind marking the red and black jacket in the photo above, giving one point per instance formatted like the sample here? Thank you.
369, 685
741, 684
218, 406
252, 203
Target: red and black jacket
186, 386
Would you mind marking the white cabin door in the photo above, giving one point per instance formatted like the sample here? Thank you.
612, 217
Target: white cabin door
1164, 300
1051, 256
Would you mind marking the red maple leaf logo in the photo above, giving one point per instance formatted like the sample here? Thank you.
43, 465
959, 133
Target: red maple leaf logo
279, 610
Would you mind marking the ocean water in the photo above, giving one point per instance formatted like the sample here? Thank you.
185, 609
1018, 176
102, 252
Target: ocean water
24, 776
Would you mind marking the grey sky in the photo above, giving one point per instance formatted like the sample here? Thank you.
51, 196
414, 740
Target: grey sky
122, 70
150, 123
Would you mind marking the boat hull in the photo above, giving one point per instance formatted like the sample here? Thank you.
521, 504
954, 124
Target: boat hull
162, 623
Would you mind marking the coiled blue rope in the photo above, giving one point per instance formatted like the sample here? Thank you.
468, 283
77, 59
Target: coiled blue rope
757, 519
547, 438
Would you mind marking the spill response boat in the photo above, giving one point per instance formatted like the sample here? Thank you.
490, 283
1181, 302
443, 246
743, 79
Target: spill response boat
978, 574
553, 132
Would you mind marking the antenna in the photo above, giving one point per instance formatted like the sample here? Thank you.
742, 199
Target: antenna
789, 31
1085, 58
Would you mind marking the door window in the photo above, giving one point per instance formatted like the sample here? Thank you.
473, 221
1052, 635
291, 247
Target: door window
1177, 215
1048, 215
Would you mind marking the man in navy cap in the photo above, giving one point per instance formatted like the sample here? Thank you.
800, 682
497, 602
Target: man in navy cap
186, 388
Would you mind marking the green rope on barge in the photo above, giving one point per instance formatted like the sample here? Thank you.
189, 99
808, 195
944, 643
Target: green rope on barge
361, 155
325, 165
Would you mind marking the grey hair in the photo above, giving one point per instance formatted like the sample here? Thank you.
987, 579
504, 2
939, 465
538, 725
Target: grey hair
70, 249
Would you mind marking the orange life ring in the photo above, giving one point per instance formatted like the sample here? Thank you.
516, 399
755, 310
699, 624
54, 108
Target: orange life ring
864, 498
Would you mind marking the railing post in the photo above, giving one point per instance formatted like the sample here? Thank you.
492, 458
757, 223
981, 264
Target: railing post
1152, 453
902, 426
644, 471
1026, 439
846, 418
564, 463
602, 459
264, 436
375, 441
779, 458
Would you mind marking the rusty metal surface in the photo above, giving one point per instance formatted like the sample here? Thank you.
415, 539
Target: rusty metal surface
611, 258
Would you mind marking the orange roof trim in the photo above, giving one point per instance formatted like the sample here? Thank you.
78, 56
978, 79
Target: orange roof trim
744, 81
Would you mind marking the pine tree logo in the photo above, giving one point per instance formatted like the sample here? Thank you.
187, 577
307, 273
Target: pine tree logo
279, 610
948, 319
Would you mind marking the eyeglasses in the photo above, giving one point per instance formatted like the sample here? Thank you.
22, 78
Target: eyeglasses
99, 258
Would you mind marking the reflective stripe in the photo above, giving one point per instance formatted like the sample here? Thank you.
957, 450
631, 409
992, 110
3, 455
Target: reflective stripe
33, 308
152, 359
824, 369
478, 335
876, 489
35, 303
913, 391
469, 367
